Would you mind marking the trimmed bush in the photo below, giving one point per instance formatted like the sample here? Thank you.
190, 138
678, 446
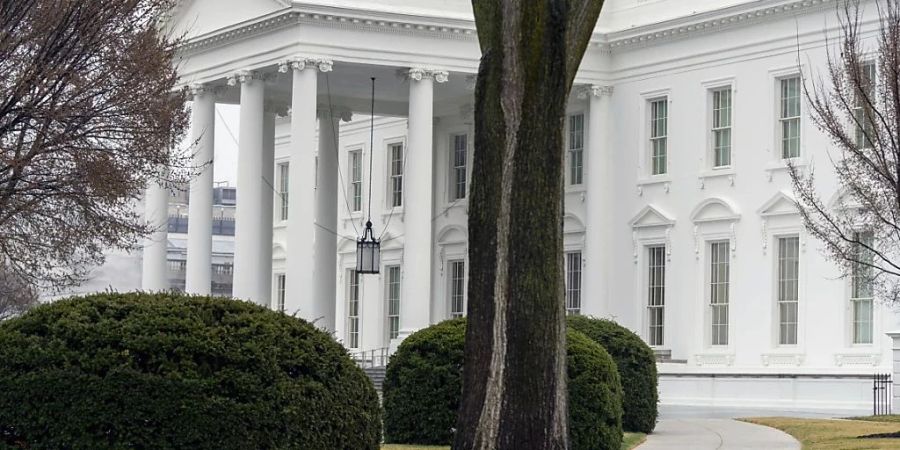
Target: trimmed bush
637, 368
422, 389
158, 371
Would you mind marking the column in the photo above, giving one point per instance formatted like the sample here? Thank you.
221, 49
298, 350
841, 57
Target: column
301, 229
417, 202
895, 370
326, 201
267, 216
598, 240
198, 279
154, 276
249, 234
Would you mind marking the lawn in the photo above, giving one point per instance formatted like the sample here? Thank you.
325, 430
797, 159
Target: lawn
630, 441
836, 434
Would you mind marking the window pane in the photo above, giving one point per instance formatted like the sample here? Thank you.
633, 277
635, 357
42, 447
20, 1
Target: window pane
658, 132
393, 301
576, 149
788, 288
573, 283
457, 289
458, 156
396, 175
718, 291
283, 188
656, 268
352, 309
356, 180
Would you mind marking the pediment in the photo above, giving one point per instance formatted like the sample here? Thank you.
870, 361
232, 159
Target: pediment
843, 199
452, 234
781, 204
278, 251
651, 216
572, 224
191, 18
713, 210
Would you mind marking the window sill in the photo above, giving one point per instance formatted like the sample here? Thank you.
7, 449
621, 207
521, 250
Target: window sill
280, 224
665, 180
455, 204
868, 358
781, 165
785, 355
723, 172
396, 213
714, 358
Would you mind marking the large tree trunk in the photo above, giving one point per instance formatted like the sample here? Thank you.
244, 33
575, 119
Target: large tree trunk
514, 381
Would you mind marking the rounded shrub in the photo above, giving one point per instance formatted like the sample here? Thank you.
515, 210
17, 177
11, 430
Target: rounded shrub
149, 371
637, 369
422, 389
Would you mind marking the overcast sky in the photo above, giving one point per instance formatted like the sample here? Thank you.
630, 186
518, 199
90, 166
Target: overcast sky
225, 167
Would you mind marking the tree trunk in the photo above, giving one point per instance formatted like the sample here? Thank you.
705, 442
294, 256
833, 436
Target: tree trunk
514, 380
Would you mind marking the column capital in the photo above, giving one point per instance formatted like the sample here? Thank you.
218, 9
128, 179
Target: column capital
241, 77
420, 73
306, 62
595, 90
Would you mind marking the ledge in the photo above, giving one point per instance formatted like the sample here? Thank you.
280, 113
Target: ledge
665, 180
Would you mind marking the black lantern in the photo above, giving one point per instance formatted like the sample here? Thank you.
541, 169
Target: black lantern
368, 252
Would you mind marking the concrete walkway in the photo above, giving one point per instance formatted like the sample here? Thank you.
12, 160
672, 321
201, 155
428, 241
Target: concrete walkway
714, 434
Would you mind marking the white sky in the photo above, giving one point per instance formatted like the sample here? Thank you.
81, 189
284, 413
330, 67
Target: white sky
225, 164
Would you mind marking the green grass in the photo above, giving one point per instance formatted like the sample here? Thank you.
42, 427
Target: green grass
630, 441
878, 418
836, 434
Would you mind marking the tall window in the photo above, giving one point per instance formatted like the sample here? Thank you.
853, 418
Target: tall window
457, 289
721, 127
353, 309
393, 301
861, 300
283, 188
789, 117
865, 128
356, 180
458, 154
719, 277
576, 149
659, 129
396, 151
788, 289
573, 283
656, 295
280, 280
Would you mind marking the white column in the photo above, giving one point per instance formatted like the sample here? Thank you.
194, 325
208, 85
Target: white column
267, 216
895, 369
248, 237
415, 289
300, 264
154, 276
198, 279
598, 242
323, 304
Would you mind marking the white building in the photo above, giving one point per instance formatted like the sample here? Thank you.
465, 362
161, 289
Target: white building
679, 218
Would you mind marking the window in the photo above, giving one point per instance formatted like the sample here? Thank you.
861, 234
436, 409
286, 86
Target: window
789, 117
865, 128
721, 127
458, 154
396, 187
576, 149
861, 286
283, 188
279, 291
719, 277
656, 295
356, 180
393, 301
573, 283
353, 309
788, 289
457, 289
658, 132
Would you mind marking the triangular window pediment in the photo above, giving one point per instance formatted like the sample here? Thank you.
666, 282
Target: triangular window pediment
651, 216
781, 204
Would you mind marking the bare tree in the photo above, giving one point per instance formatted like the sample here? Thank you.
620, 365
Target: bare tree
88, 115
857, 105
16, 295
514, 380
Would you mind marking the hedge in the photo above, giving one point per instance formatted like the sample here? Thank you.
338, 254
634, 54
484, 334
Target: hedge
422, 389
164, 371
637, 366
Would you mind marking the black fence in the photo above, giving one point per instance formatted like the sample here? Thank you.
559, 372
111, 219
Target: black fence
881, 394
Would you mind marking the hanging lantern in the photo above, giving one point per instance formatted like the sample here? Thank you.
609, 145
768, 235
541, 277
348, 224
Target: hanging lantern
368, 252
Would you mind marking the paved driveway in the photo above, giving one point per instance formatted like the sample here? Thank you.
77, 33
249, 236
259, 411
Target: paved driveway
714, 434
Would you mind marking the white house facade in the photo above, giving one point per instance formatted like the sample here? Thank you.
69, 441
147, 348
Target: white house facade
679, 216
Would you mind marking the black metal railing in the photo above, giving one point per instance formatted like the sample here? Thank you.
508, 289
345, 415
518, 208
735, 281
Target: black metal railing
881, 394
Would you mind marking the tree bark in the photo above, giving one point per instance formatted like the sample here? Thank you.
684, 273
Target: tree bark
514, 379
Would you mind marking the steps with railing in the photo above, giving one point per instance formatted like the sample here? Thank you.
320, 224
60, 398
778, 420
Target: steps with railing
373, 363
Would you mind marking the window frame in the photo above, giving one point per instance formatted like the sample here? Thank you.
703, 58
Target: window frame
714, 303
457, 298
280, 292
353, 288
392, 305
453, 181
716, 128
778, 292
576, 292
782, 119
284, 189
390, 192
575, 165
653, 138
647, 297
862, 124
355, 159
855, 299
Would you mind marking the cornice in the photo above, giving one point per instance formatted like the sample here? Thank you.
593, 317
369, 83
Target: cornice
464, 29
